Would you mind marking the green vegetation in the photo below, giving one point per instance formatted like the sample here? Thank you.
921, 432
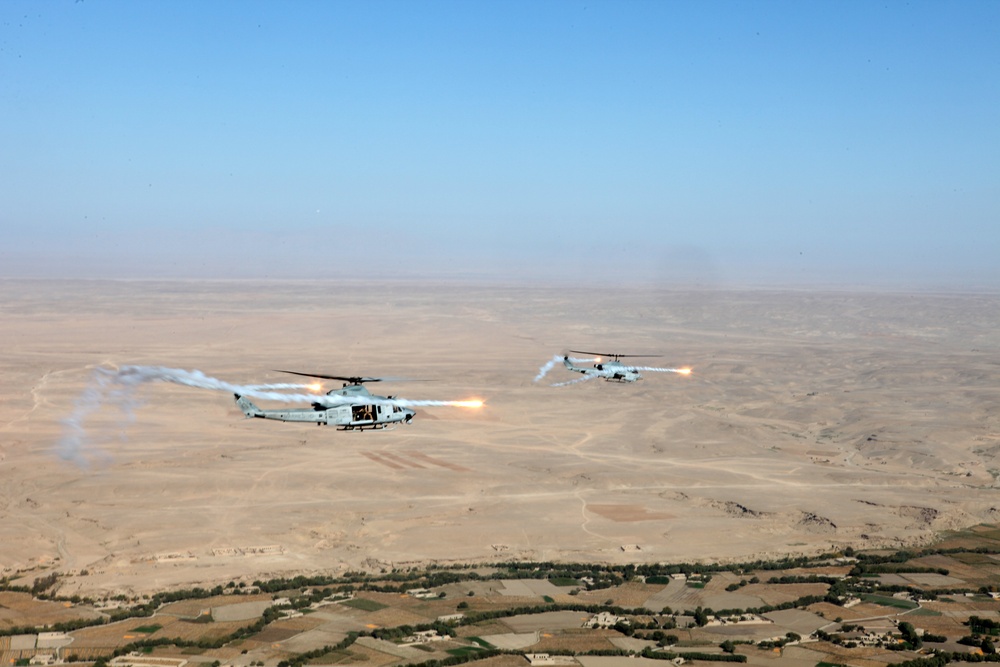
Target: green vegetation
910, 636
924, 612
862, 581
889, 601
465, 650
563, 581
363, 604
984, 626
482, 642
148, 629
687, 655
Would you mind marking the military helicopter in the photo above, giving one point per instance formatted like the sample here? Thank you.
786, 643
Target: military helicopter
352, 407
614, 370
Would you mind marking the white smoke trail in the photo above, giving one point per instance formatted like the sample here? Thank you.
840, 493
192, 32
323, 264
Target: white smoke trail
548, 366
135, 375
551, 363
70, 446
116, 388
284, 385
651, 369
578, 380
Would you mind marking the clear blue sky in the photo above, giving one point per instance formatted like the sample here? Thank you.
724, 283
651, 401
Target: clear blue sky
722, 143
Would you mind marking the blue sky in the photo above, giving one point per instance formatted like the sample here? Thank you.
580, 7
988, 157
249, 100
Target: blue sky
659, 143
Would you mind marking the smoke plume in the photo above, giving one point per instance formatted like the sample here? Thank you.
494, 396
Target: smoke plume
116, 388
575, 380
557, 359
651, 369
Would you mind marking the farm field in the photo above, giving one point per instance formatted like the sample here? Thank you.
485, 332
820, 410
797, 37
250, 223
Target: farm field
848, 618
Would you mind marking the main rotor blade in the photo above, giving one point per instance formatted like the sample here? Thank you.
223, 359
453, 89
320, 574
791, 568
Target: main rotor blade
355, 379
616, 356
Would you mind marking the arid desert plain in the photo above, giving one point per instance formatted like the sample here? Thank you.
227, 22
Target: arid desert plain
811, 420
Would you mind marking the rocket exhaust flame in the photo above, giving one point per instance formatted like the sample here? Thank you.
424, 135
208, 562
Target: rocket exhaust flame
473, 403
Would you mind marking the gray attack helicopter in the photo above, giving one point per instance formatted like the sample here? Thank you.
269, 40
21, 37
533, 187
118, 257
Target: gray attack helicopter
614, 370
352, 407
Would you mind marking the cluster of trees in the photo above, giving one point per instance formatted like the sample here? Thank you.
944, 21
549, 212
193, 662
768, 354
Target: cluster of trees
306, 590
42, 584
943, 658
401, 631
983, 626
743, 582
911, 638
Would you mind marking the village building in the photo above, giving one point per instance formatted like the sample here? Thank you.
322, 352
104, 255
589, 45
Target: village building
546, 660
604, 619
421, 593
423, 637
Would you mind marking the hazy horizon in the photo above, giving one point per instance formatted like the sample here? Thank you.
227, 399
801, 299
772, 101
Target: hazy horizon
716, 144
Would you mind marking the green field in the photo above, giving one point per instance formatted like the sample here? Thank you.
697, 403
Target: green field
148, 629
564, 581
363, 604
890, 602
482, 642
925, 612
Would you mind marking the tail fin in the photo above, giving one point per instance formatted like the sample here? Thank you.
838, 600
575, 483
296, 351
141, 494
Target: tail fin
248, 408
569, 364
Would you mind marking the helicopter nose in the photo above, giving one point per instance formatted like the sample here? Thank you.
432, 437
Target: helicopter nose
409, 416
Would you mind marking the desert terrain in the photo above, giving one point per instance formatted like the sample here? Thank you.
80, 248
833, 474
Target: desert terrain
811, 420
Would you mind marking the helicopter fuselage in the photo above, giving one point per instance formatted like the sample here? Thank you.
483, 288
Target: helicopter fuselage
362, 411
612, 371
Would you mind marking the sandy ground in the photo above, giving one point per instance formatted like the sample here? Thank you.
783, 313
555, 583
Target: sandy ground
811, 420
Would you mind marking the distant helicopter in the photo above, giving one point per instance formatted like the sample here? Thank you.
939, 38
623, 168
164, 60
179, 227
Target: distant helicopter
614, 370
352, 407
